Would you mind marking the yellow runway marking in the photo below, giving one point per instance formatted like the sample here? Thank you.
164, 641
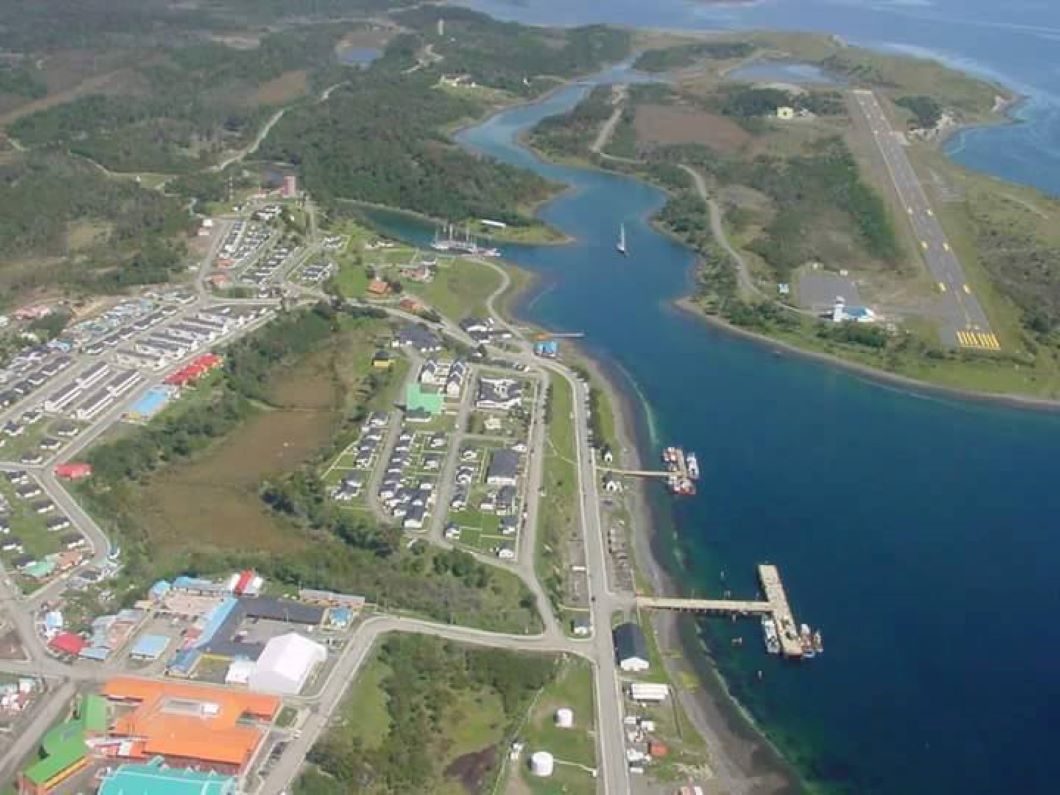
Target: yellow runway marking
978, 340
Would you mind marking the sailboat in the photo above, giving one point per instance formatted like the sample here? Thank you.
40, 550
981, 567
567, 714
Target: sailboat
621, 245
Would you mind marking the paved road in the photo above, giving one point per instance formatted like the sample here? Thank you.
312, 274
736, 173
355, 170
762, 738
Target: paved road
48, 709
357, 651
964, 322
604, 602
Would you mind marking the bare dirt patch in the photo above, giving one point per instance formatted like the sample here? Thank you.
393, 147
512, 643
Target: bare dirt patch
286, 88
471, 769
675, 124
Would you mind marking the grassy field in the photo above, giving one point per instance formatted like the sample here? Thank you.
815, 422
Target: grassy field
574, 748
444, 734
557, 522
459, 289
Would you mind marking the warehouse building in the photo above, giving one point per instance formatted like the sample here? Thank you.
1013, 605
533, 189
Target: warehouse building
286, 664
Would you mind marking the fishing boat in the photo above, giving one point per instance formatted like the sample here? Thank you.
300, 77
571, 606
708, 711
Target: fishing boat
806, 640
621, 245
818, 643
693, 466
769, 631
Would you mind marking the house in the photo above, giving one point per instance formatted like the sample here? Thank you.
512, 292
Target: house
607, 455
418, 337
73, 470
418, 416
72, 541
57, 523
430, 372
452, 532
611, 483
11, 544
581, 627
503, 468
786, 112
506, 499
382, 360
502, 394
631, 649
414, 518
508, 525
378, 288
506, 553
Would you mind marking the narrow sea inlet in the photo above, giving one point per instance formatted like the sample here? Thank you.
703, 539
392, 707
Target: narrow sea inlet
918, 533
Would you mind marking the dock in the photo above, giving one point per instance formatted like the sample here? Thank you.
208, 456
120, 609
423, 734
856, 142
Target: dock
680, 473
775, 605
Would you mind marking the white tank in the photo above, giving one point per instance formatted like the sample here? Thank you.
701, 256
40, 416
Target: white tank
542, 764
564, 718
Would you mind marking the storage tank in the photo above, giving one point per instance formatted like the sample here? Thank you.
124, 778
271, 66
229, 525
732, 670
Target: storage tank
564, 718
542, 764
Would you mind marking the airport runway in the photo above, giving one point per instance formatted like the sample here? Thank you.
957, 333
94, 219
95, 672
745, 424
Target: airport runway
964, 323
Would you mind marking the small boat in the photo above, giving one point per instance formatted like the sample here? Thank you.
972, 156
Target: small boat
693, 466
769, 631
806, 640
621, 245
818, 644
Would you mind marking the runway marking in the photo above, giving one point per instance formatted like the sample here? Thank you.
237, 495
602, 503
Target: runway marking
942, 287
967, 289
984, 341
945, 245
923, 244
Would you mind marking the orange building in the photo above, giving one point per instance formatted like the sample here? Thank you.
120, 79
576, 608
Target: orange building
190, 725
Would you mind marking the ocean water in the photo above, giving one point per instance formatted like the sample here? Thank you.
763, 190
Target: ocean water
1013, 42
919, 533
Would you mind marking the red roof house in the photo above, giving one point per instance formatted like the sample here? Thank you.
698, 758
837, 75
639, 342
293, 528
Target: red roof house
67, 643
73, 470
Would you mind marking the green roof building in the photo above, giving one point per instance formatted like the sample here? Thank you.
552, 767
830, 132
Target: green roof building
63, 747
154, 778
418, 398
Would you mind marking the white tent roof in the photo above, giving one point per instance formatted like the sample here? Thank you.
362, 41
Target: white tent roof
285, 663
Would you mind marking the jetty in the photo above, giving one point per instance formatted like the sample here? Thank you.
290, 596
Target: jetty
681, 472
774, 605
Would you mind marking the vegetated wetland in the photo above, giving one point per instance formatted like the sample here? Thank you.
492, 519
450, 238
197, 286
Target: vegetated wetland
231, 476
188, 503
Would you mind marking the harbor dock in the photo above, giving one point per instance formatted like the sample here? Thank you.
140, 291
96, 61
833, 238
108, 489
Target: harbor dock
681, 473
775, 606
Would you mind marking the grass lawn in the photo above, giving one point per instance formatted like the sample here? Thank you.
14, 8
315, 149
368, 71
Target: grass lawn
459, 289
558, 509
364, 714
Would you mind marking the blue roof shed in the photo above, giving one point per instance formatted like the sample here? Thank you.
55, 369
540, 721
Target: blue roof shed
150, 647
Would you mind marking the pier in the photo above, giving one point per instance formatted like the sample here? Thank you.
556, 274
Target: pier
775, 605
681, 471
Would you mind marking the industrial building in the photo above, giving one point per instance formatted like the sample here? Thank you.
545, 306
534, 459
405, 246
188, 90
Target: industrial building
631, 649
285, 664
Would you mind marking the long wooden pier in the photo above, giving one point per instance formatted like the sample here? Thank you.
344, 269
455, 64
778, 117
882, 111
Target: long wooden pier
775, 605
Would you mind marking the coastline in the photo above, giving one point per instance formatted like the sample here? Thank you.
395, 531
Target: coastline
883, 377
738, 749
741, 756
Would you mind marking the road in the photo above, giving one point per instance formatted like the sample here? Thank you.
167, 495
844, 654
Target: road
614, 774
618, 99
358, 650
964, 323
717, 229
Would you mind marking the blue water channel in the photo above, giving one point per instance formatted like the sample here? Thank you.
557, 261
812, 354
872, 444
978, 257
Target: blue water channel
918, 533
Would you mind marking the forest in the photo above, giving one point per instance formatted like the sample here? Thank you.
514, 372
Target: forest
668, 58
